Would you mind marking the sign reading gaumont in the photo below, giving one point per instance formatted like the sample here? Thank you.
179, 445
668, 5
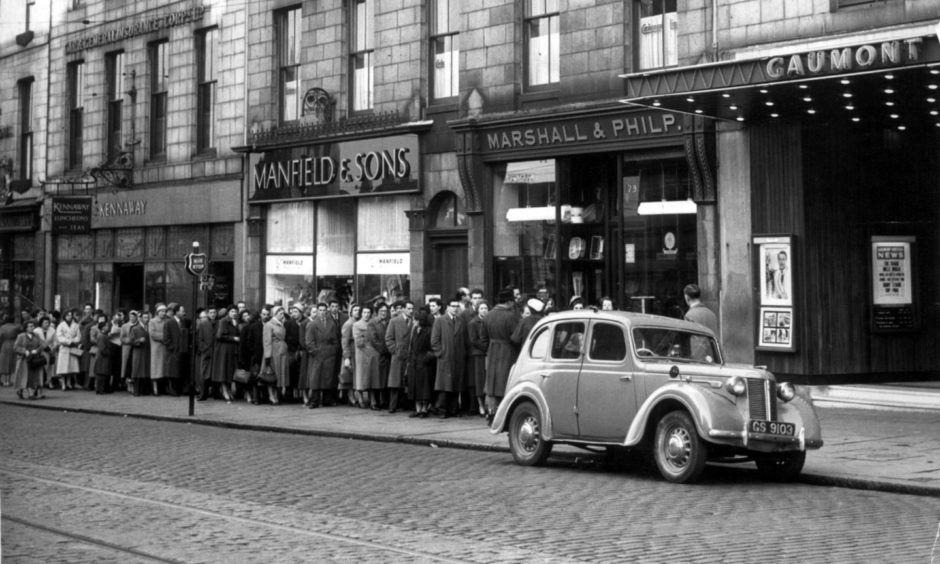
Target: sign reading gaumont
378, 166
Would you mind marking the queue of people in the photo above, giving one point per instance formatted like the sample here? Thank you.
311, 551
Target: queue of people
444, 358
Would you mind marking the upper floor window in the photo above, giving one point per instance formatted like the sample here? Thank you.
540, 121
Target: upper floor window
658, 32
207, 48
114, 66
76, 100
288, 56
541, 42
26, 128
158, 98
360, 54
444, 49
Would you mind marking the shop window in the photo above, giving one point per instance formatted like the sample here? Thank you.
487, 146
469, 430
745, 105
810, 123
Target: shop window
158, 98
448, 212
360, 55
24, 247
74, 284
76, 100
289, 33
445, 53
180, 239
222, 241
114, 66
129, 243
179, 284
542, 45
222, 289
26, 128
104, 287
75, 247
154, 284
156, 242
383, 276
104, 244
289, 228
658, 34
382, 224
289, 278
207, 47
524, 246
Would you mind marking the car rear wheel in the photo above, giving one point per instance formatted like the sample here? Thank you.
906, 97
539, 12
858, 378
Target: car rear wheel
679, 452
528, 446
783, 467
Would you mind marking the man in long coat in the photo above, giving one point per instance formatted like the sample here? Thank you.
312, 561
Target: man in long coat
501, 354
449, 344
173, 341
322, 342
398, 342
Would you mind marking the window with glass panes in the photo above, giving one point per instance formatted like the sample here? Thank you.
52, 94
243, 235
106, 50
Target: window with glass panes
658, 34
542, 42
114, 66
360, 56
158, 98
288, 56
76, 95
26, 128
444, 49
207, 41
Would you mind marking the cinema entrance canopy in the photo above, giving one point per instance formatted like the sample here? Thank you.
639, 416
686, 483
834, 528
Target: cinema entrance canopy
890, 77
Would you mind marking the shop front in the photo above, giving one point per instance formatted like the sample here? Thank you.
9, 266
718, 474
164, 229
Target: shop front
828, 201
609, 203
20, 249
132, 256
332, 217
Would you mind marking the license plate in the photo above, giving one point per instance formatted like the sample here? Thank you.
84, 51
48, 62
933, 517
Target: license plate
771, 427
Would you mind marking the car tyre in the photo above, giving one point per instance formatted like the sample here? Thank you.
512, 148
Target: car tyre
679, 452
783, 467
528, 446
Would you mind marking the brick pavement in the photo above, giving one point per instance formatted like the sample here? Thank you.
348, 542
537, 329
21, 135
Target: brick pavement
888, 450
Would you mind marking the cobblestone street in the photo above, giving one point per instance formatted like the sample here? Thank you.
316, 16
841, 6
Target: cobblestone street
86, 488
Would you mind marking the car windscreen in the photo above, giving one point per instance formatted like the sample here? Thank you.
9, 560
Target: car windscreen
673, 344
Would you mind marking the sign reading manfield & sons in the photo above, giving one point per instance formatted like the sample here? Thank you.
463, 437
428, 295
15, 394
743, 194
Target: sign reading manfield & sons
71, 215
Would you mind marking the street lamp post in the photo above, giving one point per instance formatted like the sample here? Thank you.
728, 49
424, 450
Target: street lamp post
196, 264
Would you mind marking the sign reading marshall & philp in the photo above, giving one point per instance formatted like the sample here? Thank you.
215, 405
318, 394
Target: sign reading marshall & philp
365, 167
582, 132
71, 215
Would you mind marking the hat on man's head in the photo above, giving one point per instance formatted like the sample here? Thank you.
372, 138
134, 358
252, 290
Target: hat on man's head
575, 300
161, 306
505, 296
536, 305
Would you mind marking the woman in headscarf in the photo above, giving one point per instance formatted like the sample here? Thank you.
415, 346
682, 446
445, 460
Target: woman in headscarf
27, 376
422, 364
69, 335
276, 354
158, 351
348, 371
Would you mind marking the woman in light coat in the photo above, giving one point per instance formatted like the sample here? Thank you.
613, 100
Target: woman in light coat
28, 379
9, 331
46, 333
276, 354
69, 336
348, 371
367, 358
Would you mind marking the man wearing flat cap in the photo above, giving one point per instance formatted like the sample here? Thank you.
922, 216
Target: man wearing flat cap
501, 354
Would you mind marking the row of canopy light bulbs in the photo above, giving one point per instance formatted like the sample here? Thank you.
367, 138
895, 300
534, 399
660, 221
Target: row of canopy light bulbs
931, 98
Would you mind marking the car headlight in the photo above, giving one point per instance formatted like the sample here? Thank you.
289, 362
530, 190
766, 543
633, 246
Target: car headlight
785, 391
736, 385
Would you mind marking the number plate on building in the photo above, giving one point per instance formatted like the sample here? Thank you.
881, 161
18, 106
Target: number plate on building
771, 427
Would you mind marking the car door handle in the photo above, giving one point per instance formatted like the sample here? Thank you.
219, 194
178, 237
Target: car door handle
626, 378
545, 376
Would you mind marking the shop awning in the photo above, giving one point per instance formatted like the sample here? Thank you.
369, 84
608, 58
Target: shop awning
893, 80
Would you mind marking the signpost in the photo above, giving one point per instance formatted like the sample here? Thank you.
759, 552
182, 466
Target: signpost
196, 264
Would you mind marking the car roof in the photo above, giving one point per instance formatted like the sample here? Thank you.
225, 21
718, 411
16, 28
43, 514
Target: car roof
628, 318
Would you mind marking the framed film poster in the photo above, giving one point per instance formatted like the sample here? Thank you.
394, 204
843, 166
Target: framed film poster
775, 300
893, 307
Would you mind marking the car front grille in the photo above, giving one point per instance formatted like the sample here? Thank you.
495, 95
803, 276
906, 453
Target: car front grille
759, 400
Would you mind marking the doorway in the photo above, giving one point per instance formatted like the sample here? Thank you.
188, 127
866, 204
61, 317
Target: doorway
447, 237
129, 285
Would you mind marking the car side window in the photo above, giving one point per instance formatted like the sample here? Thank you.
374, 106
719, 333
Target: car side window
540, 343
607, 342
672, 344
568, 340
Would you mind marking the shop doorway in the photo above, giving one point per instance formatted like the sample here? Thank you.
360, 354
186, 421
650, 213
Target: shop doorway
129, 285
447, 237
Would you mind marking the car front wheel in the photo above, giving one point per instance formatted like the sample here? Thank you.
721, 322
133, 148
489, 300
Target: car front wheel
528, 446
679, 452
783, 467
